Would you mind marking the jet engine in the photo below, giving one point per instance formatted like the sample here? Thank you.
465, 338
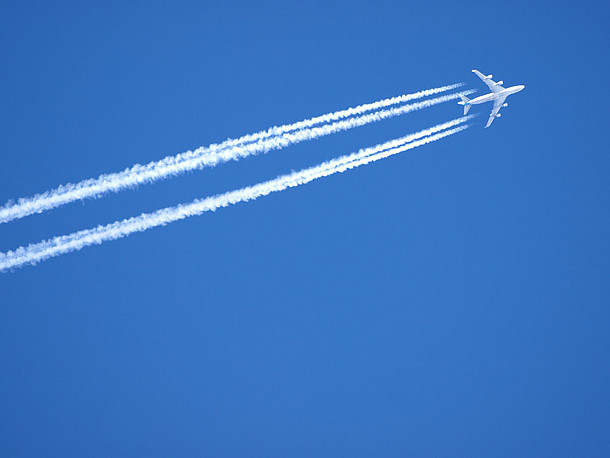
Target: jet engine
505, 104
488, 77
499, 115
499, 83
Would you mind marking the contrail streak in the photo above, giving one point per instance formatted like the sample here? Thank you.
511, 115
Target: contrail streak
262, 142
35, 253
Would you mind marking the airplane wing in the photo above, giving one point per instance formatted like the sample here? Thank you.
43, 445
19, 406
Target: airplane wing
494, 112
493, 86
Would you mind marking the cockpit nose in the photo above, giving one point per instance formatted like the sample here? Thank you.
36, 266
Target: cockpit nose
520, 87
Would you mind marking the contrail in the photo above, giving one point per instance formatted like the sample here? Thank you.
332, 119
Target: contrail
273, 131
35, 253
262, 142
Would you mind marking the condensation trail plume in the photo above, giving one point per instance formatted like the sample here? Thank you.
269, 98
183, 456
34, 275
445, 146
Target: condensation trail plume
330, 117
262, 142
56, 246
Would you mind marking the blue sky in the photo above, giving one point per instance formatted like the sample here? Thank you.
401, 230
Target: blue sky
452, 300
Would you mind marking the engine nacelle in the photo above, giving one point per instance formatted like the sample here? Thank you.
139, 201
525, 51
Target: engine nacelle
498, 115
488, 77
498, 83
505, 104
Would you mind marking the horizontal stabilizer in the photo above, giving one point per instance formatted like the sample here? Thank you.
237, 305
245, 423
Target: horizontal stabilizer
466, 102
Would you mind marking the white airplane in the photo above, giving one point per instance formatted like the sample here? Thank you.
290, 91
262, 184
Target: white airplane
498, 94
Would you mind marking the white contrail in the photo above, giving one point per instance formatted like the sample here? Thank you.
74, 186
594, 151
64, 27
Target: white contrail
330, 117
275, 138
64, 244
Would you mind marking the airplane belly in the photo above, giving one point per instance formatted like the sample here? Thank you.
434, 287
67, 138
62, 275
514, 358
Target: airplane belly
483, 99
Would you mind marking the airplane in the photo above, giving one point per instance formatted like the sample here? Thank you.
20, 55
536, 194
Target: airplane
498, 94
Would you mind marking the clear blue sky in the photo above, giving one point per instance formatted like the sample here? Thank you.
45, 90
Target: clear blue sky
453, 300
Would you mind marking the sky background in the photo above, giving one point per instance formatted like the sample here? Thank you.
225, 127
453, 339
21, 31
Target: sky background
452, 300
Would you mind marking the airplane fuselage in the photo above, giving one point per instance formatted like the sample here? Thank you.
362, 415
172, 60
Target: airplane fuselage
496, 95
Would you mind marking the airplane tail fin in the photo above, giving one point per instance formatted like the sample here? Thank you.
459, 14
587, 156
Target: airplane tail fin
466, 102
